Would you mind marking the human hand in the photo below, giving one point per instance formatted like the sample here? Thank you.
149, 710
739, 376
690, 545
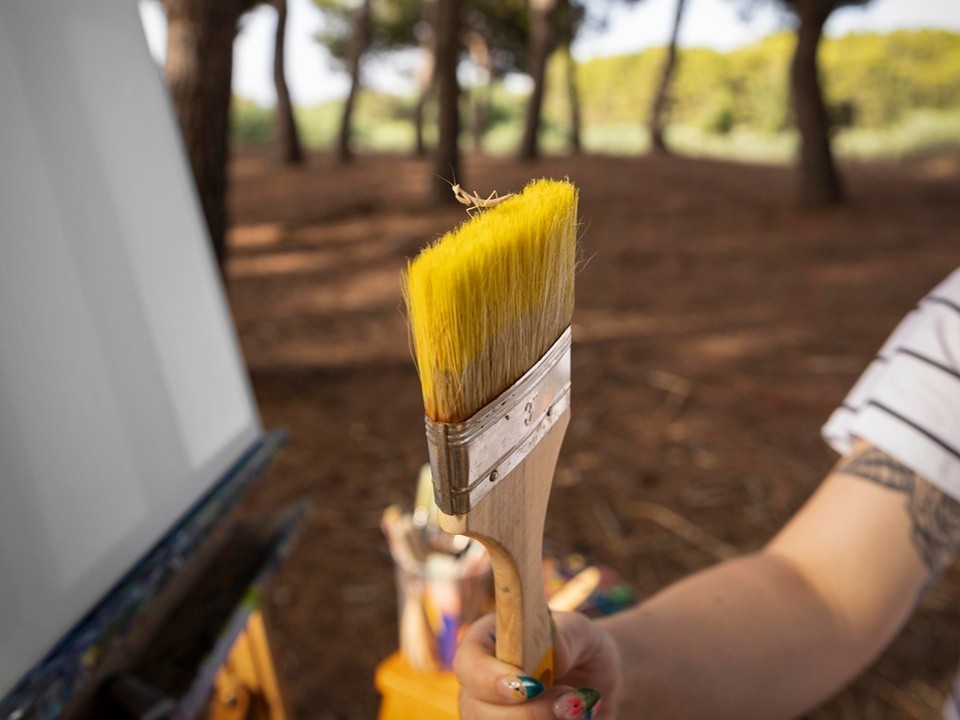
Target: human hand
587, 665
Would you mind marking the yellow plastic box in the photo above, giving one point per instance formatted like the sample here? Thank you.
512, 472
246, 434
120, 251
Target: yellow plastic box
410, 694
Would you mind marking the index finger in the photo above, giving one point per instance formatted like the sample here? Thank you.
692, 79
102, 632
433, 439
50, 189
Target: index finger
485, 678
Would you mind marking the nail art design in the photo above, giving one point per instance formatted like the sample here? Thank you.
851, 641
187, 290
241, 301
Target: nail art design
578, 704
593, 711
523, 687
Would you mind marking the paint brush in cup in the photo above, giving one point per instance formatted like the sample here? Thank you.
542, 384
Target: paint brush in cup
489, 307
427, 522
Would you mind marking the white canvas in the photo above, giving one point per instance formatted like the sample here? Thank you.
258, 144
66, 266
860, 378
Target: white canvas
123, 396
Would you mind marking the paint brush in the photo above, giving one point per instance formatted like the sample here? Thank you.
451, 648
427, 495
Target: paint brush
489, 308
575, 591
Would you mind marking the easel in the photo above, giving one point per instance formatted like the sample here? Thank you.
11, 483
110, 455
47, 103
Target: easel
246, 687
130, 431
187, 615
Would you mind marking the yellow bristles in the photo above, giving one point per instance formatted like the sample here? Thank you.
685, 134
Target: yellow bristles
490, 298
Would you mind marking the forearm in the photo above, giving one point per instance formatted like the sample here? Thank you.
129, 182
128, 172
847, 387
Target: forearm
746, 639
766, 636
775, 633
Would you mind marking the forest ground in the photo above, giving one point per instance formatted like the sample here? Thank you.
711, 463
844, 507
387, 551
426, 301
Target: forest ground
717, 326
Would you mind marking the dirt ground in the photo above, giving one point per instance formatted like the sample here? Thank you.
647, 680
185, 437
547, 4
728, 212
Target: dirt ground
716, 328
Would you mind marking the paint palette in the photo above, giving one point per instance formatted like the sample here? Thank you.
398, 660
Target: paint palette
606, 594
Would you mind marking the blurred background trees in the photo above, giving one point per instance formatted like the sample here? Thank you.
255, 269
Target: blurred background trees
541, 33
792, 94
447, 54
198, 70
288, 136
705, 273
662, 96
354, 29
819, 180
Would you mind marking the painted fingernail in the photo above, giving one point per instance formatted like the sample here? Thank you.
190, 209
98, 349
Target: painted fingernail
577, 704
593, 711
521, 687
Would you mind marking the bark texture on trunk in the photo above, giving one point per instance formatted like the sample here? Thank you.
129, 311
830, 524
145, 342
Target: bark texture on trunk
480, 54
541, 43
358, 44
447, 154
662, 98
198, 71
291, 152
420, 143
573, 92
427, 74
819, 180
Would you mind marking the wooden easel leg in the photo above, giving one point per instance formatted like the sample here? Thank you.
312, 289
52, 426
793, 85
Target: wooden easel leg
246, 686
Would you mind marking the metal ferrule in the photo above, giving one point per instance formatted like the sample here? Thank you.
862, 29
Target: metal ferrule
470, 458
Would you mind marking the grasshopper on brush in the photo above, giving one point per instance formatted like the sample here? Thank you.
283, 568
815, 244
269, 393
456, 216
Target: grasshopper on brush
475, 203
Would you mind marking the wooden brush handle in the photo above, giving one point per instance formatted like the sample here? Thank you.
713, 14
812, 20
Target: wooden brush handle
509, 522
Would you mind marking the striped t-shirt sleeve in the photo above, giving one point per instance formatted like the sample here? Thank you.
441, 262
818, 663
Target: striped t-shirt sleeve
907, 402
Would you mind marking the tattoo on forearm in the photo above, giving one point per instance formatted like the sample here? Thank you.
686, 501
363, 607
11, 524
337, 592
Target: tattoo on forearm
935, 516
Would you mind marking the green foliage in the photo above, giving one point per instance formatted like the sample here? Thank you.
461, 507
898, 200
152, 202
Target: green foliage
505, 25
919, 134
338, 16
505, 108
618, 89
250, 123
393, 25
827, 6
719, 117
556, 99
397, 25
894, 73
319, 124
880, 78
900, 94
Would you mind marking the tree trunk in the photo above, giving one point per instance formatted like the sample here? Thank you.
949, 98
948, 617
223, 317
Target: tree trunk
426, 90
819, 180
662, 98
198, 71
291, 151
480, 54
427, 75
358, 43
541, 42
573, 92
447, 154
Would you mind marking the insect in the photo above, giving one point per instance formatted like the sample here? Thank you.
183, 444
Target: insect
475, 203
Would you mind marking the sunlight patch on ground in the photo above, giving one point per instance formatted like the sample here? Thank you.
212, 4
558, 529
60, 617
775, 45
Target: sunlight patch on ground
852, 273
305, 261
361, 290
324, 301
282, 263
393, 229
309, 353
254, 236
726, 346
594, 326
940, 168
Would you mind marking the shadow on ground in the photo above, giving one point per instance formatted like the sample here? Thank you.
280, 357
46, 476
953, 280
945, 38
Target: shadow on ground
717, 326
